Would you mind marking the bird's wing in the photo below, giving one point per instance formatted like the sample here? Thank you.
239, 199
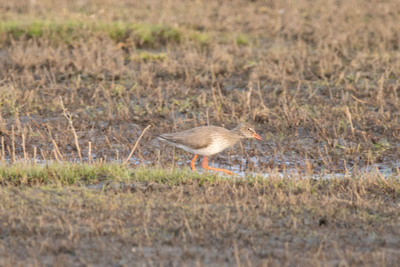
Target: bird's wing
196, 138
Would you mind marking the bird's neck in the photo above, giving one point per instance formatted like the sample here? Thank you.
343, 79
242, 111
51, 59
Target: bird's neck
236, 131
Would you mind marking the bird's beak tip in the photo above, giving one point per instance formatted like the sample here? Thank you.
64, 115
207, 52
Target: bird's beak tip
256, 136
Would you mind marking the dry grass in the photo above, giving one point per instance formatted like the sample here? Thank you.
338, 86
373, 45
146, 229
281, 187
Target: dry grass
319, 80
275, 221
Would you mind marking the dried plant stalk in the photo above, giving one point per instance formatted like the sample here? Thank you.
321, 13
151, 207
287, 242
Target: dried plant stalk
13, 143
3, 152
9, 150
34, 155
136, 144
24, 148
68, 117
56, 156
43, 155
57, 150
348, 114
90, 152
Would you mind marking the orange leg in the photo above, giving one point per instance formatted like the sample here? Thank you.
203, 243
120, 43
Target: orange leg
193, 162
204, 164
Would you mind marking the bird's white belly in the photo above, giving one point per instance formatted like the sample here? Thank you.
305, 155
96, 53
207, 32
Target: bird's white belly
217, 145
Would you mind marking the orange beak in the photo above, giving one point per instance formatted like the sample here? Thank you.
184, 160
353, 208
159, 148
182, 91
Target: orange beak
256, 136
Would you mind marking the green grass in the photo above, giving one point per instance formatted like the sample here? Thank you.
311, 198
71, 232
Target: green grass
242, 39
142, 35
65, 173
85, 174
80, 174
147, 56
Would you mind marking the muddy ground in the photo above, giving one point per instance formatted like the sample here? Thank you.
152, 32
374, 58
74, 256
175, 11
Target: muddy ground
80, 80
305, 223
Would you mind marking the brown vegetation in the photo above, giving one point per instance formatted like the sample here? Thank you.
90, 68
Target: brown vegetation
267, 222
319, 80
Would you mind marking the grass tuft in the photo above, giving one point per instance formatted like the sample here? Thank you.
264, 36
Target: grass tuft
62, 173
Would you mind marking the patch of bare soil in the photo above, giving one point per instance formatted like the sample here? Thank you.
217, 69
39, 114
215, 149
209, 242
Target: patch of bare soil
341, 222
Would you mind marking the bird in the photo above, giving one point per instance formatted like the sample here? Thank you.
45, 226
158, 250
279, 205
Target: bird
209, 140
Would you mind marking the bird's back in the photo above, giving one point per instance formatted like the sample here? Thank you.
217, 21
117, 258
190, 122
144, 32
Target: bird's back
204, 140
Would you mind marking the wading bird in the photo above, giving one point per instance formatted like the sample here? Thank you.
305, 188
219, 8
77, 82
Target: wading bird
209, 140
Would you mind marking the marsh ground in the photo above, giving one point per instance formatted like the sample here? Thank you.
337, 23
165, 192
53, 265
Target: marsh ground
318, 80
156, 217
